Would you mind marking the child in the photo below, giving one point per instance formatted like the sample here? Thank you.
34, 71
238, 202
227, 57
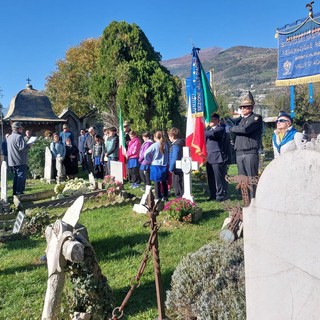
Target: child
133, 151
175, 154
144, 164
157, 154
58, 152
97, 157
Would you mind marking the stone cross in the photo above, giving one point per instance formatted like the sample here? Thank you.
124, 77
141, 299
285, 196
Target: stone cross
4, 181
281, 240
187, 165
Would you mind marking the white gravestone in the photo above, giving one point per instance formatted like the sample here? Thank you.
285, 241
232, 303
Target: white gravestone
140, 208
19, 222
4, 181
187, 165
92, 180
48, 172
116, 170
281, 240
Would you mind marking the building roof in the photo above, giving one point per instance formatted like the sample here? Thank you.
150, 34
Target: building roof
31, 105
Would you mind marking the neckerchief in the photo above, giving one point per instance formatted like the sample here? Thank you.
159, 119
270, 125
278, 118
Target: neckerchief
289, 136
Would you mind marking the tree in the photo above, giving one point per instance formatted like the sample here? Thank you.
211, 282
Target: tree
68, 86
129, 74
304, 110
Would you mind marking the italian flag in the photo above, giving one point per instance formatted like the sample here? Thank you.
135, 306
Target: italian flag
201, 103
122, 145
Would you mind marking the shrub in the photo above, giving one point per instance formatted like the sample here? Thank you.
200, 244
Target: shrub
209, 284
36, 157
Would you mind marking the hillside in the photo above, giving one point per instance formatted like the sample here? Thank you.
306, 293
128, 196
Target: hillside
236, 70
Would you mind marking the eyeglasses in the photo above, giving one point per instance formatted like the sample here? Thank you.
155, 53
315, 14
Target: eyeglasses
245, 107
282, 120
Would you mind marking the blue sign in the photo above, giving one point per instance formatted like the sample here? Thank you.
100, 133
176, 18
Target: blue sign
299, 52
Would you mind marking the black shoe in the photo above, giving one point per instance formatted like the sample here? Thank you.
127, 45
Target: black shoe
220, 199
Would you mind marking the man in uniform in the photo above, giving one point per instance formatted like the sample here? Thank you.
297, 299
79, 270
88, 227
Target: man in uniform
248, 134
216, 164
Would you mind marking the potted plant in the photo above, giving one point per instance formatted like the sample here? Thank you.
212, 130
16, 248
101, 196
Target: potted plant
182, 209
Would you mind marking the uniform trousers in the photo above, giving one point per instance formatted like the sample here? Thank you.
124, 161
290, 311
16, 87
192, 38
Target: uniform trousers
248, 165
216, 180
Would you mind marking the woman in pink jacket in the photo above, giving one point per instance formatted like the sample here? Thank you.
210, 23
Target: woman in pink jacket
133, 152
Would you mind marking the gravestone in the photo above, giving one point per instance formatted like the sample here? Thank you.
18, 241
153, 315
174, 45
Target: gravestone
116, 170
48, 170
4, 182
187, 165
141, 208
72, 215
19, 222
281, 240
92, 180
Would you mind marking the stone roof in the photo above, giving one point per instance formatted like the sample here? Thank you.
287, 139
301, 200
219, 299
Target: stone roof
31, 105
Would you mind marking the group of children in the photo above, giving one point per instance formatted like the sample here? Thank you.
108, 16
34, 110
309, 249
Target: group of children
150, 160
155, 160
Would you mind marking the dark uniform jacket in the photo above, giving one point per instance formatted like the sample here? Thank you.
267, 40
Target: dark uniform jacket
214, 144
248, 134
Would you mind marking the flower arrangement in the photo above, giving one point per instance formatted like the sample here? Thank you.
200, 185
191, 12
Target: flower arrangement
112, 185
72, 187
200, 174
181, 209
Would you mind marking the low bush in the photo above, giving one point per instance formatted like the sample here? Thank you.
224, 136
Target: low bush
209, 284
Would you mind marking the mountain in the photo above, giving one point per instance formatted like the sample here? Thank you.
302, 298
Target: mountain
236, 70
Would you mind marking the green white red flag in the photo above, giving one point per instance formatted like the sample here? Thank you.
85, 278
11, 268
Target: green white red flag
122, 145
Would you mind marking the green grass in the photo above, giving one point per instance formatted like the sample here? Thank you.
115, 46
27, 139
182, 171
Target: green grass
119, 240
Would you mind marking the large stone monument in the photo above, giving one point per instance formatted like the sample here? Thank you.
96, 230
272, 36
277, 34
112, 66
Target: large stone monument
281, 240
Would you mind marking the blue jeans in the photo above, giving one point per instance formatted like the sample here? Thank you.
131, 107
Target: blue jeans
19, 180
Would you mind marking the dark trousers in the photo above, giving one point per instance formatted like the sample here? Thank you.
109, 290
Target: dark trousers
98, 171
248, 165
177, 182
134, 175
145, 177
19, 179
216, 180
89, 163
157, 189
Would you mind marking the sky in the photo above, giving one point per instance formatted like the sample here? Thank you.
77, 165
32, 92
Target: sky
35, 34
